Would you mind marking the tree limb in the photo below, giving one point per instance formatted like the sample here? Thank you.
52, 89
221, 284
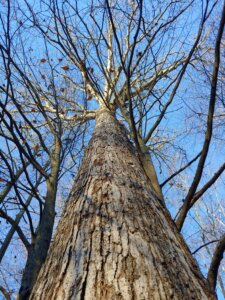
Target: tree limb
208, 134
204, 245
215, 263
17, 228
207, 185
5, 293
180, 170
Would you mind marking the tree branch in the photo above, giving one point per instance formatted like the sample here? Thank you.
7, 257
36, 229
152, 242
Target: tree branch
207, 185
17, 228
215, 263
204, 245
208, 135
5, 293
180, 170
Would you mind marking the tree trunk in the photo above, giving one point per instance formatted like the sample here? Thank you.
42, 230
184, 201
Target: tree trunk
38, 249
115, 240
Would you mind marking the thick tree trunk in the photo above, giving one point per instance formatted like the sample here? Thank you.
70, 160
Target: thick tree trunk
115, 239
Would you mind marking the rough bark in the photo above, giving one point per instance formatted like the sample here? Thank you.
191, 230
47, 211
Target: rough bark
149, 169
115, 240
146, 160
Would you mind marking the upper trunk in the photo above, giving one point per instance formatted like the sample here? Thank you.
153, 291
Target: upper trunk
115, 239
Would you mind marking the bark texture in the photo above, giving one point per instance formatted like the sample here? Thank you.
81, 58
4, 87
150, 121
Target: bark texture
115, 240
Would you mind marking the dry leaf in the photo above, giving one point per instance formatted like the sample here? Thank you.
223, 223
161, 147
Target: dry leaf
65, 68
36, 147
2, 180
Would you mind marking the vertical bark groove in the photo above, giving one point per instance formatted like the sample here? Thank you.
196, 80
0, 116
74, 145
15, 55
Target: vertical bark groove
115, 240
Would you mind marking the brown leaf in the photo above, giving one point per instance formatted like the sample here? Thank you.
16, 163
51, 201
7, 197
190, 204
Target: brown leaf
65, 68
43, 60
2, 180
36, 147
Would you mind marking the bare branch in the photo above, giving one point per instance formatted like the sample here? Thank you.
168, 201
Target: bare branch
5, 293
204, 245
17, 228
209, 129
207, 185
180, 170
215, 263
